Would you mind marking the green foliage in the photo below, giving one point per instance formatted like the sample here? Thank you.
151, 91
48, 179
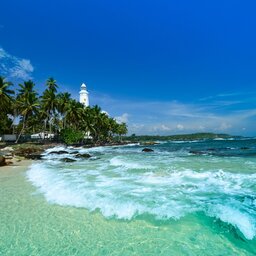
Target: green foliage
53, 112
71, 136
188, 137
5, 124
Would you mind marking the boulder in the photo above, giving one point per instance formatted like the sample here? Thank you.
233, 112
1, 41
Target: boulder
2, 161
68, 160
195, 152
7, 149
34, 156
61, 152
147, 150
83, 155
25, 152
74, 152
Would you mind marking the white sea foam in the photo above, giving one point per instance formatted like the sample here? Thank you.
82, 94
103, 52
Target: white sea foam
242, 221
128, 185
118, 161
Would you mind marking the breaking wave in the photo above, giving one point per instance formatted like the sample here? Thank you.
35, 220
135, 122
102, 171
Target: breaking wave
131, 184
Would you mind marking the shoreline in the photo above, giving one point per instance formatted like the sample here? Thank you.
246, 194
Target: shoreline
17, 165
16, 154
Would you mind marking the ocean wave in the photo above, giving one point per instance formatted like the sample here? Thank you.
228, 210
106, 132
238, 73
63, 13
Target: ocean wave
132, 185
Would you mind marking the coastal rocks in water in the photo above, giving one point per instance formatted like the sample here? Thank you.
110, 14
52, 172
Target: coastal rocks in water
68, 160
195, 152
28, 151
147, 150
74, 152
2, 161
84, 155
61, 152
34, 157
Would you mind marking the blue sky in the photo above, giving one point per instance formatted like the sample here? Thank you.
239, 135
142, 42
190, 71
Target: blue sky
164, 67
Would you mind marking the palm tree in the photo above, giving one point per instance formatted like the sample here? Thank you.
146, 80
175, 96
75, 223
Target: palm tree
51, 84
26, 103
63, 99
74, 113
122, 130
6, 99
49, 102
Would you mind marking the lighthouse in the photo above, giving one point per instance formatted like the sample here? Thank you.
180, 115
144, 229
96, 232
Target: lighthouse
84, 96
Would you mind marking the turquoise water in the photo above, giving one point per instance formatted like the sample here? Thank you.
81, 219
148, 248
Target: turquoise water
185, 198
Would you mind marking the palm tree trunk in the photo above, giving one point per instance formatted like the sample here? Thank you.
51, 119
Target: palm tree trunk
21, 131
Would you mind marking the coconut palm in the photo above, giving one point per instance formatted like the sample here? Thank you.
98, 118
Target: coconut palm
63, 100
6, 99
49, 103
26, 103
74, 113
51, 84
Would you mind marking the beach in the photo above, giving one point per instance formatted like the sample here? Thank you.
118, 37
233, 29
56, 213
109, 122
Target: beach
93, 207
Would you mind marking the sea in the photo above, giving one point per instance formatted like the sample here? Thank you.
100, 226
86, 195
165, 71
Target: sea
183, 198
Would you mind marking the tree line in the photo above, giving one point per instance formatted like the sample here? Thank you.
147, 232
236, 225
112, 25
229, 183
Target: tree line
53, 112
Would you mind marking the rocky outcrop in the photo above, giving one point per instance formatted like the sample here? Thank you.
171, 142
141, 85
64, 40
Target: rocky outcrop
61, 152
34, 157
83, 155
27, 151
68, 160
74, 152
147, 150
2, 161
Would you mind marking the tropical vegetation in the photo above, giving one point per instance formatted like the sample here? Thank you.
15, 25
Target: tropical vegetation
26, 112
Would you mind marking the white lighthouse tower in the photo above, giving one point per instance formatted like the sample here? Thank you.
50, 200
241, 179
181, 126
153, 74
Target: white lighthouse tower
84, 96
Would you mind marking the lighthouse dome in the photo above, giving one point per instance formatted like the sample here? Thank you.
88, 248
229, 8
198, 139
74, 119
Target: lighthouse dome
83, 86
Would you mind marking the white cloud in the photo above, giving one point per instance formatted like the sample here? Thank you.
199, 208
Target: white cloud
122, 119
173, 117
180, 127
14, 67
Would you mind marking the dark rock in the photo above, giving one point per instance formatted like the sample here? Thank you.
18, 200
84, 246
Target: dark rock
2, 161
34, 156
244, 148
28, 151
68, 160
74, 152
147, 150
83, 155
195, 152
61, 152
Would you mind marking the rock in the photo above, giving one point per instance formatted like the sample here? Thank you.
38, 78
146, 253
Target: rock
83, 155
25, 152
61, 152
197, 152
147, 150
9, 163
7, 149
2, 161
8, 156
34, 156
244, 148
68, 160
74, 152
